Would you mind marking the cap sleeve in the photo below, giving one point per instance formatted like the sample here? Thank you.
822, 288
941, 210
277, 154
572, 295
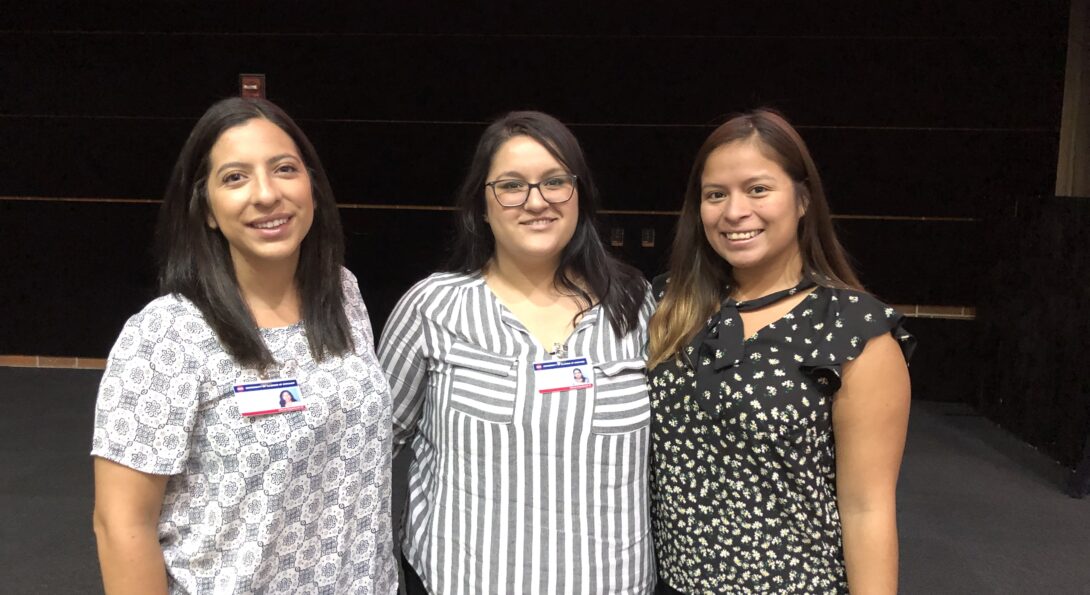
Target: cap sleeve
841, 330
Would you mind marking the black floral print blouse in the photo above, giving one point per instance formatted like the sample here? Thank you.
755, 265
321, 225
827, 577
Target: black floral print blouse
743, 474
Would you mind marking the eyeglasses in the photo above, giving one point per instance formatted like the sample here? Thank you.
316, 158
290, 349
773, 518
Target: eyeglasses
515, 193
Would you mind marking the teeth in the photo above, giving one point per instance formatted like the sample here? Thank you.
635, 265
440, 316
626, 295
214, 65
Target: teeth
270, 224
742, 235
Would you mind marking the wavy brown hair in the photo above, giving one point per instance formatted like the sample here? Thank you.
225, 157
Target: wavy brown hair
700, 279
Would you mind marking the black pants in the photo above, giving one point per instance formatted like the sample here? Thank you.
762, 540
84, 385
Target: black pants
413, 584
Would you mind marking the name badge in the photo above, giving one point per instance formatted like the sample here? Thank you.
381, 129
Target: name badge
552, 376
273, 396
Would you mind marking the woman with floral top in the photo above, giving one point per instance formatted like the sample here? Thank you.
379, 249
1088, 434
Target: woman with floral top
779, 387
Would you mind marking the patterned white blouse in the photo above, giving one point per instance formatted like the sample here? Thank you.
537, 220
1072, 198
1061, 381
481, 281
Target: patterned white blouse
513, 491
295, 502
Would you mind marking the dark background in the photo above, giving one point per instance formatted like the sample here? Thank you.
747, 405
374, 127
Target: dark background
935, 126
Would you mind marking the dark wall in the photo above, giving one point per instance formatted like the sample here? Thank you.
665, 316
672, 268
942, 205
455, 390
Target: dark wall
1034, 327
923, 117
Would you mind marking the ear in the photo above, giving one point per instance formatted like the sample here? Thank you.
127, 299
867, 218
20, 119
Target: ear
802, 195
211, 221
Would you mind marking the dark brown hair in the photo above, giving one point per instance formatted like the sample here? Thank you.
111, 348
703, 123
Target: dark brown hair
620, 288
195, 260
699, 278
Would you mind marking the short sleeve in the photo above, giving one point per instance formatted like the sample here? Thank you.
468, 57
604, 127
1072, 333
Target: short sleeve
401, 354
149, 394
841, 330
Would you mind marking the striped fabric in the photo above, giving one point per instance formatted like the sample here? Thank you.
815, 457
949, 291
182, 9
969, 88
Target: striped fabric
511, 491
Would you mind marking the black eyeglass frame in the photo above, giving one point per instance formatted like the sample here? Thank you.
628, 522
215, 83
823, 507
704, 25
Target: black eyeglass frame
530, 188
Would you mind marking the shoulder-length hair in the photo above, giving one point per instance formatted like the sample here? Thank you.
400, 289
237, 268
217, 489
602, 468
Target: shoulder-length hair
586, 269
700, 278
195, 261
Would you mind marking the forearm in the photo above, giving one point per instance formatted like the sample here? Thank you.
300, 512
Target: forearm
870, 550
131, 559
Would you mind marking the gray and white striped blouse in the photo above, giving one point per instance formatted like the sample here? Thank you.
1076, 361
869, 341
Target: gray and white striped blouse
512, 491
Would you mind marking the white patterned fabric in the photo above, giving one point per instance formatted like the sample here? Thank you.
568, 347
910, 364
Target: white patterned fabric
293, 502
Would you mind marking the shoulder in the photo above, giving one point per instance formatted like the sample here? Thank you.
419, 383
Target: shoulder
436, 285
348, 281
853, 317
658, 286
856, 305
170, 314
433, 293
168, 336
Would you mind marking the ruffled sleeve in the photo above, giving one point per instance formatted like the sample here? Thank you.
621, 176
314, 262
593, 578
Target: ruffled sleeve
841, 329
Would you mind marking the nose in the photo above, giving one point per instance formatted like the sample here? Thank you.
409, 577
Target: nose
536, 200
264, 190
736, 208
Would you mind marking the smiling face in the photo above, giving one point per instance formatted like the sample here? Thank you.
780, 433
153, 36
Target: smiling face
537, 230
749, 210
259, 194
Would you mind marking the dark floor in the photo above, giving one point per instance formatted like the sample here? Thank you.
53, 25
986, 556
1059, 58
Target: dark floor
980, 512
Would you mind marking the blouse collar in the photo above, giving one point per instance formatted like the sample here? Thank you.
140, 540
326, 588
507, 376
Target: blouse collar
721, 345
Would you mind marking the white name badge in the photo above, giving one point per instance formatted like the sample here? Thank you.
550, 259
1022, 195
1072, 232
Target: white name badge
552, 376
273, 396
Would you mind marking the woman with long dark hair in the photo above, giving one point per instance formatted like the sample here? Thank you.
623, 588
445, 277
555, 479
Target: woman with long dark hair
780, 389
201, 483
523, 481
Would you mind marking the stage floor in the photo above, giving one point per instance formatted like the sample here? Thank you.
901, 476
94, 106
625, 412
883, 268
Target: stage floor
980, 512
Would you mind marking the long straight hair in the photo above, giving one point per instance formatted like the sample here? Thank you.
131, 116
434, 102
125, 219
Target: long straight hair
619, 287
195, 260
700, 279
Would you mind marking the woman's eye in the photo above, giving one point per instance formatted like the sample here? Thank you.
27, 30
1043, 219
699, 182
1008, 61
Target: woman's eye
555, 183
232, 178
287, 168
714, 195
759, 190
510, 186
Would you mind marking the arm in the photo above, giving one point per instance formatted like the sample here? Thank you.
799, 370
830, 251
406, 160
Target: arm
870, 419
126, 519
400, 352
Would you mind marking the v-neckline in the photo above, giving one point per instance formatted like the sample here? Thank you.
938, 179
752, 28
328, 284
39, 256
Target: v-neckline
790, 313
512, 319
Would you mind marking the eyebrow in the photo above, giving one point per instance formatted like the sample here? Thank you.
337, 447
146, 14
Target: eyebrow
745, 182
270, 160
515, 174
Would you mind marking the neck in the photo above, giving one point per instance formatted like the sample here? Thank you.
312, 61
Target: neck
528, 278
269, 291
750, 284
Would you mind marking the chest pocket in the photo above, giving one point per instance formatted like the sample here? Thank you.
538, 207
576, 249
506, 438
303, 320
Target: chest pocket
621, 402
483, 385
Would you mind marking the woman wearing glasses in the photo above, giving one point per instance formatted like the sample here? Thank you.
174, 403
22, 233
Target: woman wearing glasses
523, 481
763, 349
